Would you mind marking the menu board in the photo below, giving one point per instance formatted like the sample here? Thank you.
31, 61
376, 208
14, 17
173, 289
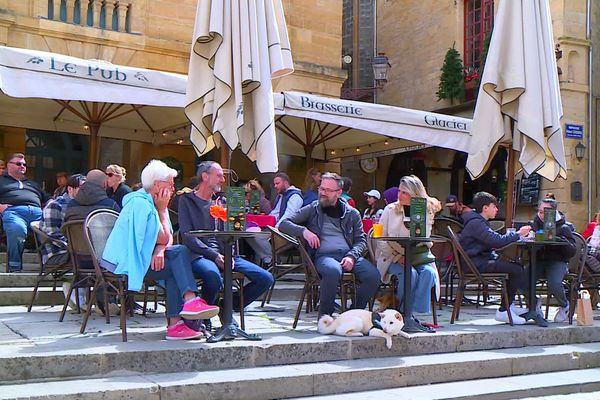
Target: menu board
530, 189
549, 223
418, 217
254, 202
236, 208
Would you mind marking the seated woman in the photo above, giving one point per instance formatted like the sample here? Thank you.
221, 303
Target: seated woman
141, 245
265, 205
390, 255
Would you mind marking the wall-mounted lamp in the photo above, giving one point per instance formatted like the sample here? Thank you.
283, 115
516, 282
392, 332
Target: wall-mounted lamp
580, 151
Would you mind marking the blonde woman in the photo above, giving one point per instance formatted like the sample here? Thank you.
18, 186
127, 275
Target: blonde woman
116, 188
390, 255
253, 184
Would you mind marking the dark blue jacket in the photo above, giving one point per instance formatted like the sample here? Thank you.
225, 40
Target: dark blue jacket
479, 240
309, 196
291, 191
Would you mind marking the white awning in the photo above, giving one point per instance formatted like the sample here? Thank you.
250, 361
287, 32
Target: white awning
306, 121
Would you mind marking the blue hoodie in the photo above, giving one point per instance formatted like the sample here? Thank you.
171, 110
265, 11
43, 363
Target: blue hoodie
479, 240
133, 238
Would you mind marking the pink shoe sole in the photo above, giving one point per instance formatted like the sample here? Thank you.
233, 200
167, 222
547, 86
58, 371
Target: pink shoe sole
199, 335
203, 314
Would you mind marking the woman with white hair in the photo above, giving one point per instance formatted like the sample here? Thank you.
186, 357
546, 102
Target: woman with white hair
116, 188
390, 255
141, 245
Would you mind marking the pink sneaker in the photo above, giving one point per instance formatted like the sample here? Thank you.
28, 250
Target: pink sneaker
198, 309
180, 331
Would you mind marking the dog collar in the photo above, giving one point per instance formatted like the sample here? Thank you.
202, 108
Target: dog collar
376, 321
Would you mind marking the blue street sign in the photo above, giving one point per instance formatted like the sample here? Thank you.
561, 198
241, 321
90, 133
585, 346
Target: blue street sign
574, 131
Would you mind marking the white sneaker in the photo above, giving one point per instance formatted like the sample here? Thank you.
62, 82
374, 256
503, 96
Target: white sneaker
562, 315
502, 316
518, 310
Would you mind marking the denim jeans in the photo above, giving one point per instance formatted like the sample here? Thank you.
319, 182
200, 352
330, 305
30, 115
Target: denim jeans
15, 220
207, 270
422, 280
178, 277
554, 272
330, 269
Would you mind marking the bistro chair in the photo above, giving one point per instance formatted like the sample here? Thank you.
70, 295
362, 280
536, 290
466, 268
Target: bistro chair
444, 255
469, 275
310, 291
283, 247
579, 277
98, 226
84, 275
54, 273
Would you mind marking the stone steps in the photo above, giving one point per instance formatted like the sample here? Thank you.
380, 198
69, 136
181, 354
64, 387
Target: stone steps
581, 384
497, 374
22, 296
146, 352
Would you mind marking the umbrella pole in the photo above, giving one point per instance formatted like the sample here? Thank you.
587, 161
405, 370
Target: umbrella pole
93, 150
510, 189
225, 160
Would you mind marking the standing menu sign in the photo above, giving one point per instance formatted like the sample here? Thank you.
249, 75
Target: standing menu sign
236, 209
254, 202
418, 217
549, 223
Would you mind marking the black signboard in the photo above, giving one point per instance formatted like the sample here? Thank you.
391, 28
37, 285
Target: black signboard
530, 189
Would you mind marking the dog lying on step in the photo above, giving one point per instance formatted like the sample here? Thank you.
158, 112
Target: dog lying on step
362, 322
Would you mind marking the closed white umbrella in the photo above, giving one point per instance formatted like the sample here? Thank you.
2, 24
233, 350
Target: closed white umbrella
519, 99
237, 48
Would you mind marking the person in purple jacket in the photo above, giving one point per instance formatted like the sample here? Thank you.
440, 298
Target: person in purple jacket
479, 242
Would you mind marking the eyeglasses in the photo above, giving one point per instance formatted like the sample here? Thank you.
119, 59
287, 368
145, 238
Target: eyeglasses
171, 184
18, 163
327, 190
110, 174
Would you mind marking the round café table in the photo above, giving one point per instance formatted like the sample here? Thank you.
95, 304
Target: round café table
408, 243
533, 246
229, 330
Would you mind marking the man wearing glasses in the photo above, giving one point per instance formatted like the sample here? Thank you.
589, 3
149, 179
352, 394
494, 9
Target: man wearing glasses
334, 233
21, 203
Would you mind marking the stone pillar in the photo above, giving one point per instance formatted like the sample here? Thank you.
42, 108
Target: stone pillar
56, 10
70, 11
123, 9
96, 6
110, 7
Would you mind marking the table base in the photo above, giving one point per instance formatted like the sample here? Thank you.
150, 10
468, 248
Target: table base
536, 317
230, 332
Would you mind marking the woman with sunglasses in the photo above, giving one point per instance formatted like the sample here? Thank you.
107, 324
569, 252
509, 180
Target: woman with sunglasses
116, 188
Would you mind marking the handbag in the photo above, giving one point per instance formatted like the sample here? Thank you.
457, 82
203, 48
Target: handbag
584, 309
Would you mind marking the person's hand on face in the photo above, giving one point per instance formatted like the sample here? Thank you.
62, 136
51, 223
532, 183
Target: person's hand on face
162, 197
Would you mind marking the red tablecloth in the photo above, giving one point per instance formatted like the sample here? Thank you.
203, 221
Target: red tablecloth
261, 220
367, 224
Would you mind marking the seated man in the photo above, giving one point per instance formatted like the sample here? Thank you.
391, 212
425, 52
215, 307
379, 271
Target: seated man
141, 245
21, 203
479, 241
552, 262
52, 221
456, 208
333, 230
288, 202
91, 196
208, 256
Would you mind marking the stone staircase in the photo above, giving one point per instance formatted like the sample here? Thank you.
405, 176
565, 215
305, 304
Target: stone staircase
475, 358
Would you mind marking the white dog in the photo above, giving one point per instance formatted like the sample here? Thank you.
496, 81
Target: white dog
362, 322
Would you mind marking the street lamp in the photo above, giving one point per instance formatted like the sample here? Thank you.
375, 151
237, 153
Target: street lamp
381, 65
579, 151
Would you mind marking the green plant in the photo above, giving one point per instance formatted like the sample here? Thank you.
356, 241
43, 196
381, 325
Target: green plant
174, 163
452, 85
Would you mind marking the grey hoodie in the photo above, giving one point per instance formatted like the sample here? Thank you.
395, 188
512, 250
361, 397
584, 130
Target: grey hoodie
90, 197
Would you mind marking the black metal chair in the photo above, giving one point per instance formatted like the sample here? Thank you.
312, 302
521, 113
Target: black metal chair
469, 275
442, 252
283, 248
310, 291
54, 273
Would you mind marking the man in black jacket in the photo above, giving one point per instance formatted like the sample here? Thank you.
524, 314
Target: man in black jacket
552, 261
334, 232
479, 242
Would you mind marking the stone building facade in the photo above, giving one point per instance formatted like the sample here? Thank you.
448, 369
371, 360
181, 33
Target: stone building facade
156, 34
415, 35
